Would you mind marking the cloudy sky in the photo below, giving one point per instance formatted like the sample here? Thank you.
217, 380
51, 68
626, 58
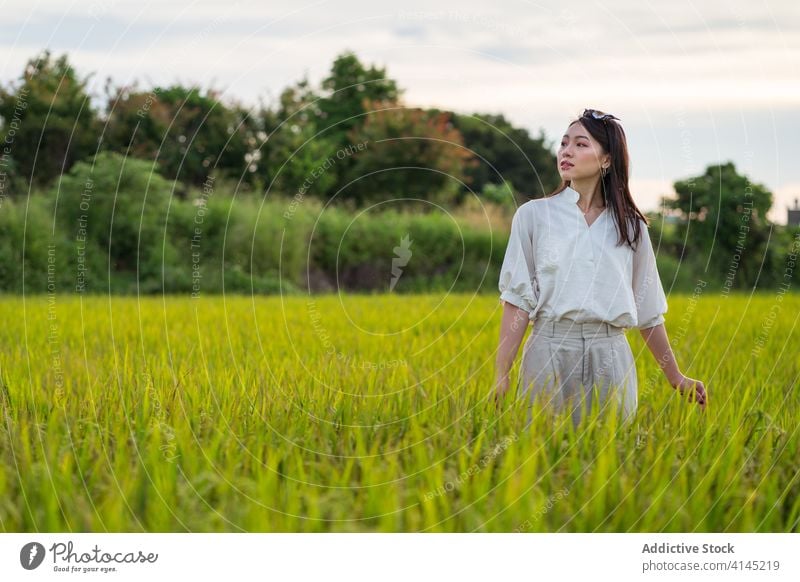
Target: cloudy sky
695, 83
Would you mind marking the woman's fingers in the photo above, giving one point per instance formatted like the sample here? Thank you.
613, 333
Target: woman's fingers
700, 393
697, 388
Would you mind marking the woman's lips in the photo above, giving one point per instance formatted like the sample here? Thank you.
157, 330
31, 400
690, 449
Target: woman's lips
565, 165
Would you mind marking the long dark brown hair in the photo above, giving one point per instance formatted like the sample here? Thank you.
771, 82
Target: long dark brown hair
614, 186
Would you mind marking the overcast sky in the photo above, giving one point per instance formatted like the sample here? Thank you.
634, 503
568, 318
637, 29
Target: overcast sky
695, 83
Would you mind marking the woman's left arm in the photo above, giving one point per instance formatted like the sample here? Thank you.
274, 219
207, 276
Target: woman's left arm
651, 305
657, 341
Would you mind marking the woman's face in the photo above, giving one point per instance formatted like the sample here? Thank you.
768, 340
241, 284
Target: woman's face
580, 156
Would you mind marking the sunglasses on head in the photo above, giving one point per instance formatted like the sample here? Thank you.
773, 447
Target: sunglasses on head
599, 115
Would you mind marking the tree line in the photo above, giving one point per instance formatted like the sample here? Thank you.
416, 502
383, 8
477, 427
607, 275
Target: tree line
193, 133
119, 190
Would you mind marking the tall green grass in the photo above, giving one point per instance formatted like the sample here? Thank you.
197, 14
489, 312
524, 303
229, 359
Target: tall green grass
370, 413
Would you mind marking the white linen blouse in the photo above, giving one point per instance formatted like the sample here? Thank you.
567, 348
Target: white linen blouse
557, 266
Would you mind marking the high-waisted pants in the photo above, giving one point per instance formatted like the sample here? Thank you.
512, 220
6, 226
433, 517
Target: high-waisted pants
574, 367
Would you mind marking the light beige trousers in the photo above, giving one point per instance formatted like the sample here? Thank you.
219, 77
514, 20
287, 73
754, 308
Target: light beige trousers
574, 367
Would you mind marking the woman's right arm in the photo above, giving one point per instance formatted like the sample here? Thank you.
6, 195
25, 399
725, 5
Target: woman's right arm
517, 293
512, 330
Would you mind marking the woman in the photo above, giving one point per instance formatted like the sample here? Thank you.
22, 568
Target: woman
580, 267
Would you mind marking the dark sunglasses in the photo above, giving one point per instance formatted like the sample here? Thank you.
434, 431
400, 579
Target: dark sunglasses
599, 115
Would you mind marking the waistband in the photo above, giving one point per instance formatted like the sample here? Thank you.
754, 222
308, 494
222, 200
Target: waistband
569, 328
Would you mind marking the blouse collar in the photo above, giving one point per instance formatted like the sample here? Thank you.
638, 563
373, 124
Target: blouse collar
571, 195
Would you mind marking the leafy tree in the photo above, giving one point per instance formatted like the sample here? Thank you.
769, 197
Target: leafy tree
510, 154
724, 222
344, 99
189, 133
47, 122
348, 91
298, 158
118, 205
408, 153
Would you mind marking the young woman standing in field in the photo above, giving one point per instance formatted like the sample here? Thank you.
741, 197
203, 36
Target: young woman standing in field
580, 267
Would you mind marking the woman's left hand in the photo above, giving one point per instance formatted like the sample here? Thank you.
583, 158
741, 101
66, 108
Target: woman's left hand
684, 384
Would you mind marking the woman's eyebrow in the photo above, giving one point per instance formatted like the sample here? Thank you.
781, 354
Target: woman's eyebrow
576, 137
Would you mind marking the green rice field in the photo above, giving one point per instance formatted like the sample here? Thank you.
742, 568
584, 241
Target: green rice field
352, 413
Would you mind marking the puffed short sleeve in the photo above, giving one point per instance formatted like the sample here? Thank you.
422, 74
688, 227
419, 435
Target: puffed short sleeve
517, 284
648, 293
